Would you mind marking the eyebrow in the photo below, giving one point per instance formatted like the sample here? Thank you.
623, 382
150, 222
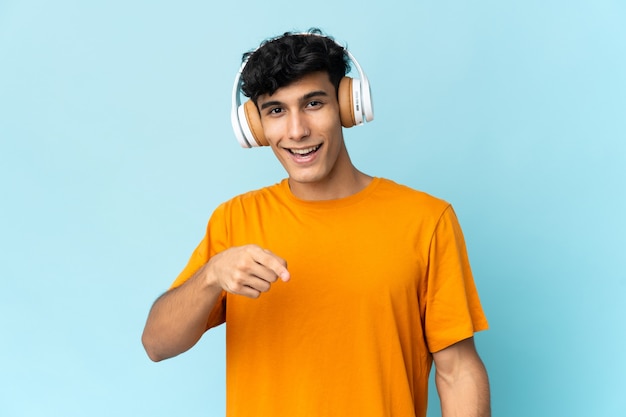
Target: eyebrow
305, 97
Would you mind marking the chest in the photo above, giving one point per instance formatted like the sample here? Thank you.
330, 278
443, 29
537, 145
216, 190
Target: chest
330, 253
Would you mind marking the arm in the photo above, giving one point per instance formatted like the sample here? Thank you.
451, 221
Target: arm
178, 318
462, 382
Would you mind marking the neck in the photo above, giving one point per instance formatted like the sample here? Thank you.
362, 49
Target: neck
319, 192
344, 181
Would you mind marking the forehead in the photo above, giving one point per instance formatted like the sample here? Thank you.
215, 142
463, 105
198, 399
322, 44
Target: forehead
301, 88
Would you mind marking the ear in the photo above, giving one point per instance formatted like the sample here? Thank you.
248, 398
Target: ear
254, 122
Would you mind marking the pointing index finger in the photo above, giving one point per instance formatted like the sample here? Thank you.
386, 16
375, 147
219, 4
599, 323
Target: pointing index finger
276, 264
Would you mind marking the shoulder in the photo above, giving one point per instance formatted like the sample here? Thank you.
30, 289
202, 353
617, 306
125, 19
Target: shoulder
409, 208
266, 196
275, 191
403, 195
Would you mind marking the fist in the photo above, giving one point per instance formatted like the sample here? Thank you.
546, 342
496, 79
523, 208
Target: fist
246, 270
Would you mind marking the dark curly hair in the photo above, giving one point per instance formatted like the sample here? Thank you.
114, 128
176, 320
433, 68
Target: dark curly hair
280, 61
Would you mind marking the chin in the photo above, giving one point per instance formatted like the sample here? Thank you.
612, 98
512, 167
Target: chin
306, 178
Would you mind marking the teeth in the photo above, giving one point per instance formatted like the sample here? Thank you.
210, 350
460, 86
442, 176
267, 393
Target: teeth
304, 151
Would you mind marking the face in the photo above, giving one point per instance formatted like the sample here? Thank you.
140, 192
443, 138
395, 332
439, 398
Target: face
302, 125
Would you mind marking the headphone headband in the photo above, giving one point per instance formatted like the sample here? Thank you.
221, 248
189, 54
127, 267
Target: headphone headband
355, 102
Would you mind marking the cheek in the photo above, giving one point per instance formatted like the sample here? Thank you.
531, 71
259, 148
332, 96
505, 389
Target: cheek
331, 123
270, 130
334, 132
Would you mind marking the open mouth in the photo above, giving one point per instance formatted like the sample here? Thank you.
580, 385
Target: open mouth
301, 153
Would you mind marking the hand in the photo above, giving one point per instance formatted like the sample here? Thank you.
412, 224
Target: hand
246, 270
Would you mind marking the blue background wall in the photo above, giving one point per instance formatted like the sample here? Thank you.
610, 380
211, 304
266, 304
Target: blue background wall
115, 146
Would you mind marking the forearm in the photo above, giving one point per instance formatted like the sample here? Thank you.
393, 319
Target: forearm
466, 392
178, 318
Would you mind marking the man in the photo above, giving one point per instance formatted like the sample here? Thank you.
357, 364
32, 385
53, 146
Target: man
338, 289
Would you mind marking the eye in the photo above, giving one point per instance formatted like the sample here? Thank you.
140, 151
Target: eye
275, 111
314, 103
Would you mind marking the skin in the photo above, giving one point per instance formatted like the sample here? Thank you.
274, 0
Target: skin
462, 382
301, 123
178, 318
301, 116
305, 116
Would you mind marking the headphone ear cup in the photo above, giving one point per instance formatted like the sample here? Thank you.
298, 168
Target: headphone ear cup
253, 120
346, 107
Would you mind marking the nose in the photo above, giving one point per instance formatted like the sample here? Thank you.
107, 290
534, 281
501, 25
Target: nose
297, 126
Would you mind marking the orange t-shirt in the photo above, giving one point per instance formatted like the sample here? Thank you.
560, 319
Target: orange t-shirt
379, 280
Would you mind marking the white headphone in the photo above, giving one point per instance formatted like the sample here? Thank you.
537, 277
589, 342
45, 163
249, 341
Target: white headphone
355, 105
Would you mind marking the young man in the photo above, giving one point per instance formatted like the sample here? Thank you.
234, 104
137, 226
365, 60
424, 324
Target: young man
338, 290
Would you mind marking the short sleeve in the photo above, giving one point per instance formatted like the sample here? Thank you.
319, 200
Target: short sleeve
214, 241
453, 310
